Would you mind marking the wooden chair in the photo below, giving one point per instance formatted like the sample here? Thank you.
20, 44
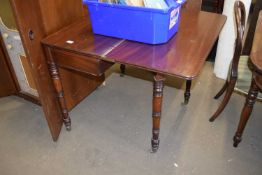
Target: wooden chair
189, 5
256, 85
257, 6
239, 77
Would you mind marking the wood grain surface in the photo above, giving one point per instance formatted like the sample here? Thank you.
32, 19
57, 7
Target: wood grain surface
183, 56
256, 52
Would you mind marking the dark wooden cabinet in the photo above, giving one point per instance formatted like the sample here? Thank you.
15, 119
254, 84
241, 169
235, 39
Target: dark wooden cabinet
215, 6
37, 19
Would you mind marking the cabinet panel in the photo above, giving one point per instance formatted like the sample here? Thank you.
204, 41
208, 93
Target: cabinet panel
15, 51
7, 84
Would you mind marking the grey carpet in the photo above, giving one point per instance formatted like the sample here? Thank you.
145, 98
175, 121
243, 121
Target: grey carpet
111, 132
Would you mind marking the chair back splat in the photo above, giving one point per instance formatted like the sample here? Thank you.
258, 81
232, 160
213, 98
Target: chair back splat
240, 17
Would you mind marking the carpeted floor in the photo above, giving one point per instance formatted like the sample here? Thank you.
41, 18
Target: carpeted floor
111, 132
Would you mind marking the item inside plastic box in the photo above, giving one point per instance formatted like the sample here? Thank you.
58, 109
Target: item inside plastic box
156, 4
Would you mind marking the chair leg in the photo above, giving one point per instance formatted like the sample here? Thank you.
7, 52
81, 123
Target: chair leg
123, 70
187, 92
223, 104
221, 92
250, 101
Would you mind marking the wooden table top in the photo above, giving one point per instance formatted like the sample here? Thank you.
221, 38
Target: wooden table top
183, 56
85, 42
256, 52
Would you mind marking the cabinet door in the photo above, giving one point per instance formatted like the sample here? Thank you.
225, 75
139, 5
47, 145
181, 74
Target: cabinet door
31, 32
49, 16
7, 84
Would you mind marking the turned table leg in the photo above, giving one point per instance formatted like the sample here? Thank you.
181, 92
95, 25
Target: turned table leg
250, 101
60, 94
158, 86
122, 69
187, 92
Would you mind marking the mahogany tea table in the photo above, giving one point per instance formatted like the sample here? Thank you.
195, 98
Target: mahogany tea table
76, 48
